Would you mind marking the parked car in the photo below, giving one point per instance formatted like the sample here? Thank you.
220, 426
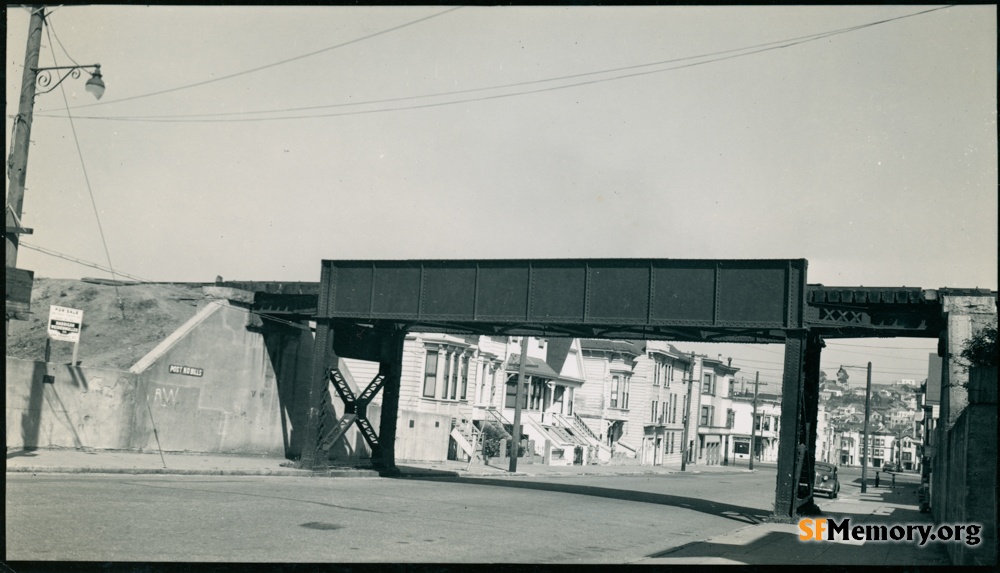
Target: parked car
826, 480
890, 467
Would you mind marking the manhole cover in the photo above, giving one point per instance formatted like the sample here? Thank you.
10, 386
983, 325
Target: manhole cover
321, 525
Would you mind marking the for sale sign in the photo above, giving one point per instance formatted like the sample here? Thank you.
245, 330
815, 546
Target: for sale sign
65, 323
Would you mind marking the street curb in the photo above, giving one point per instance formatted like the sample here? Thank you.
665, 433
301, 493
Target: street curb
329, 472
214, 472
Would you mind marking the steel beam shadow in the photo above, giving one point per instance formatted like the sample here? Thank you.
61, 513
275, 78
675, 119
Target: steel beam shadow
748, 515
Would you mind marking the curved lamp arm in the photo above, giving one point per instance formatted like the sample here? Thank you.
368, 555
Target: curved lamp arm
95, 84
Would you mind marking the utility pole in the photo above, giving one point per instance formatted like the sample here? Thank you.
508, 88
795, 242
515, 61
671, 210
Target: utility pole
20, 141
19, 281
687, 418
864, 445
515, 440
753, 422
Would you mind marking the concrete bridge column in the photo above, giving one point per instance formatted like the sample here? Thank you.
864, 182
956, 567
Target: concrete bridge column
965, 315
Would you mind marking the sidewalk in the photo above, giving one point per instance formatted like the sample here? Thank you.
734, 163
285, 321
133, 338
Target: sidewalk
779, 543
122, 462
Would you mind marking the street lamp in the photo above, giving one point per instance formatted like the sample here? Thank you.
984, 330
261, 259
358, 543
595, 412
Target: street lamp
94, 85
864, 443
18, 297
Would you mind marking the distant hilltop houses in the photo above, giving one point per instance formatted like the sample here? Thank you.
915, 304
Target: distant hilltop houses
895, 423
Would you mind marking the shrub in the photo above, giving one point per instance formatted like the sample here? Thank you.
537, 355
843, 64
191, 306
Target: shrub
981, 348
493, 434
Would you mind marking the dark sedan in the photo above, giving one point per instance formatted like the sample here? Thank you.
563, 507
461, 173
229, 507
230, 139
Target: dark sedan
826, 480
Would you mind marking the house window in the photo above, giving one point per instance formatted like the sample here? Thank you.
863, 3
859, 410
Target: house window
511, 396
453, 379
706, 415
708, 386
670, 374
537, 394
663, 412
614, 391
730, 418
465, 376
626, 382
673, 408
484, 396
448, 360
430, 373
652, 417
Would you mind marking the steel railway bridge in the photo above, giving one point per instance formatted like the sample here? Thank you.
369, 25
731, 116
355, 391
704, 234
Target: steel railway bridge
364, 308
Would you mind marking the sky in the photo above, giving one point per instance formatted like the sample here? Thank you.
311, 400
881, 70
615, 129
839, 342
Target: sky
253, 142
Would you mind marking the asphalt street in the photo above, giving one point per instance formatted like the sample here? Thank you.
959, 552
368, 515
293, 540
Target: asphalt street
592, 519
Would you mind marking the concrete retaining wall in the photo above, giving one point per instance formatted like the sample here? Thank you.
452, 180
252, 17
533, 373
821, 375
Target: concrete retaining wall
60, 406
214, 390
427, 440
212, 386
972, 481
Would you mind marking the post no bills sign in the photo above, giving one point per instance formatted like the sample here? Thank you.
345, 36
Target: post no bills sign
65, 323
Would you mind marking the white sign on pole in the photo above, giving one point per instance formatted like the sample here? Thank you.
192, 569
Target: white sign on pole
65, 323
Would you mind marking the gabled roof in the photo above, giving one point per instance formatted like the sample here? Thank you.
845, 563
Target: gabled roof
556, 351
621, 346
533, 367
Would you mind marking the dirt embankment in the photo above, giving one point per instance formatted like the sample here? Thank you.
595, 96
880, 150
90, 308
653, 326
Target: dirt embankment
112, 336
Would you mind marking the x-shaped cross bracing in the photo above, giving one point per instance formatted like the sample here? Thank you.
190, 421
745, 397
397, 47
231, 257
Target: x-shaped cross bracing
355, 409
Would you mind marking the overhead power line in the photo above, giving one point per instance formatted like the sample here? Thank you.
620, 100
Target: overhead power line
50, 31
832, 344
97, 266
747, 51
271, 65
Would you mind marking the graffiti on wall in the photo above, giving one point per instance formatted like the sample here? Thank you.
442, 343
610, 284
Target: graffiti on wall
166, 396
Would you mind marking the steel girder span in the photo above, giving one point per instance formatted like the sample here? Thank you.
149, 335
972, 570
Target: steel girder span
364, 309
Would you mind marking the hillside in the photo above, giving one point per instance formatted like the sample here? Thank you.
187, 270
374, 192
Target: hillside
151, 313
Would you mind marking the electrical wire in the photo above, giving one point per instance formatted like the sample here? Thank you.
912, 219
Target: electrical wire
168, 287
865, 346
271, 65
208, 118
48, 22
83, 165
499, 86
889, 371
